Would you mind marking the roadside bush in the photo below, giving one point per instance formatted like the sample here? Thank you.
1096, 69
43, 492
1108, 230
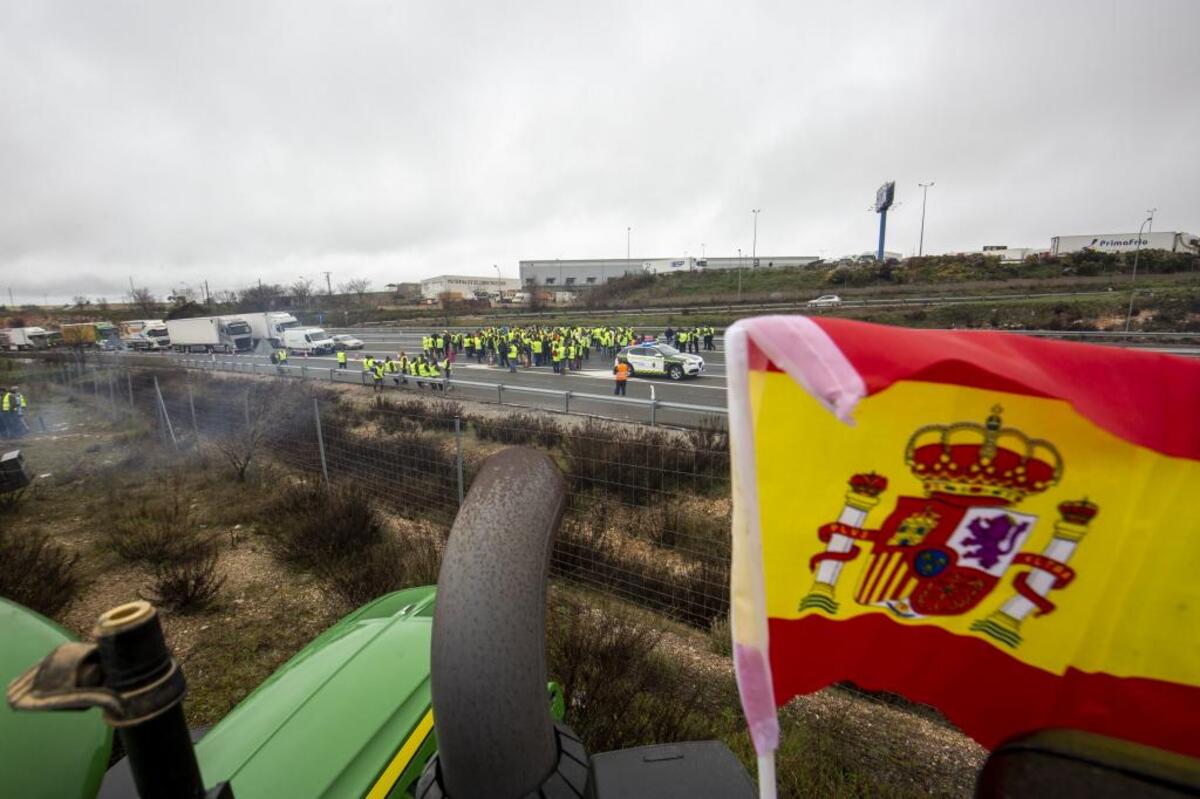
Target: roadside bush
36, 572
621, 690
519, 429
314, 526
636, 466
189, 585
719, 637
410, 471
594, 547
411, 413
156, 531
388, 566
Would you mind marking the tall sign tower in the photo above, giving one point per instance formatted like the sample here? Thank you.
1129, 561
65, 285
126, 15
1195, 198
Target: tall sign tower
884, 198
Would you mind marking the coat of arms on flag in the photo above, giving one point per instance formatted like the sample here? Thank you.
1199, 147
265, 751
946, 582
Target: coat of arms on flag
1004, 527
942, 553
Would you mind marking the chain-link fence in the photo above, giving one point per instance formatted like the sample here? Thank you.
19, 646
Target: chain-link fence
648, 509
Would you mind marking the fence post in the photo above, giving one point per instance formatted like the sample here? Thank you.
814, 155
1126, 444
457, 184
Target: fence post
192, 406
320, 440
458, 459
653, 406
129, 385
166, 416
500, 393
566, 402
112, 396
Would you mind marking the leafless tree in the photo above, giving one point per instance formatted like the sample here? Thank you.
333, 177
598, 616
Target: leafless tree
358, 285
241, 441
81, 302
301, 290
260, 298
182, 295
143, 300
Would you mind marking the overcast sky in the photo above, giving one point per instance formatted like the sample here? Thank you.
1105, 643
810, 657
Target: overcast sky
177, 142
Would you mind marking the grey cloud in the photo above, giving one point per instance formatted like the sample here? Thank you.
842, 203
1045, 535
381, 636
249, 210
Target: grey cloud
177, 142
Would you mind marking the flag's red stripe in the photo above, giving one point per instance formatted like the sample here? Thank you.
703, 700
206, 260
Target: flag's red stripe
988, 693
1144, 397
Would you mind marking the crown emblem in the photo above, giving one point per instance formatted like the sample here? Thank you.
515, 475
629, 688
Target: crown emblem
982, 460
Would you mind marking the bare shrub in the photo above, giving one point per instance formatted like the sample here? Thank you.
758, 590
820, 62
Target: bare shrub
621, 690
691, 588
720, 639
519, 429
189, 585
427, 415
637, 466
36, 572
313, 526
412, 560
156, 531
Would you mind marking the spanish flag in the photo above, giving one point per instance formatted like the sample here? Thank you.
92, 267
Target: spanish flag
1004, 527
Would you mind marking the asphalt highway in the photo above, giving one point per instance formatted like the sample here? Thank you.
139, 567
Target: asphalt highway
537, 387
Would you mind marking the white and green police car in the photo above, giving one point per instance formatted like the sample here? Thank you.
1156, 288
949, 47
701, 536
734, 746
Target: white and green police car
661, 359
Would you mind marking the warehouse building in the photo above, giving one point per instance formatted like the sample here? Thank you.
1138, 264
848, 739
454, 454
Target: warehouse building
467, 287
1125, 242
578, 274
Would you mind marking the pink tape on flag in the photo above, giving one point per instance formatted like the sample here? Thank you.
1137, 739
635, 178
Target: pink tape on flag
758, 700
799, 347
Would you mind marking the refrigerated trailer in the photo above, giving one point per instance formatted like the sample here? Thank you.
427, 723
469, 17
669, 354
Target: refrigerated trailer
210, 334
1126, 242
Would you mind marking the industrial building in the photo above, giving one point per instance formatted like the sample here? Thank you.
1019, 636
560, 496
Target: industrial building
577, 274
467, 287
1125, 242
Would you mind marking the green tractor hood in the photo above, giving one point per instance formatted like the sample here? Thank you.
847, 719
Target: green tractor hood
45, 754
358, 695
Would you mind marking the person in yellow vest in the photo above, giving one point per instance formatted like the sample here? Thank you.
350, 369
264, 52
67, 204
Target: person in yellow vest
444, 366
510, 355
377, 376
341, 359
281, 360
401, 370
368, 363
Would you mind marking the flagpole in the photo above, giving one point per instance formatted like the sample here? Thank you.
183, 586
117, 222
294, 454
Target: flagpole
766, 776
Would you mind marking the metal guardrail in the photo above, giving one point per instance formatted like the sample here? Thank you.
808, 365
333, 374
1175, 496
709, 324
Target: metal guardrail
305, 372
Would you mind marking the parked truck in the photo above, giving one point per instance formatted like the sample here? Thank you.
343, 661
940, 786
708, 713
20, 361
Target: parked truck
210, 334
145, 334
89, 334
268, 327
308, 340
25, 338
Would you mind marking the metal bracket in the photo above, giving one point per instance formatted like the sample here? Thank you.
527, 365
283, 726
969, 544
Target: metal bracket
70, 678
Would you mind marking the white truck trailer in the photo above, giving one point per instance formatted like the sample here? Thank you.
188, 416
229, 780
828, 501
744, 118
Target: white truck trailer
268, 326
210, 334
25, 338
308, 340
1126, 242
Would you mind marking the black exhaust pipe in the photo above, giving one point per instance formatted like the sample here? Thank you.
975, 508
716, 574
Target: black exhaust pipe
496, 736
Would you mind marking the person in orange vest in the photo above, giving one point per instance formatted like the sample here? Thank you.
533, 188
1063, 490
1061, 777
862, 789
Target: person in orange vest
621, 370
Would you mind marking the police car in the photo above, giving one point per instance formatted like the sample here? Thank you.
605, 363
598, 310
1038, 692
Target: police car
660, 359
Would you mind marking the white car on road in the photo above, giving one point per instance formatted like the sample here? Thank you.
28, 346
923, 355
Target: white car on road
825, 301
344, 341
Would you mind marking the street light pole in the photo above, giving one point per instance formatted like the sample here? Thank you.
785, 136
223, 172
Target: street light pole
739, 271
754, 243
1150, 227
924, 195
628, 234
1133, 280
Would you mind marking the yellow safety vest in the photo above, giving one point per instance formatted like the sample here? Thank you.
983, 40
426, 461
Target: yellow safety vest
341, 356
